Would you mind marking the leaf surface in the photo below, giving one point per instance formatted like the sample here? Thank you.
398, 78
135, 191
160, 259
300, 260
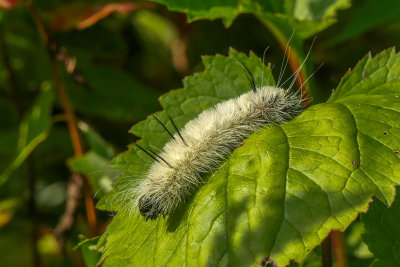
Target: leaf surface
280, 194
291, 22
228, 10
113, 95
33, 130
378, 13
89, 253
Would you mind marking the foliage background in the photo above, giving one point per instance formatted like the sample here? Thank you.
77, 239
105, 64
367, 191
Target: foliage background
127, 60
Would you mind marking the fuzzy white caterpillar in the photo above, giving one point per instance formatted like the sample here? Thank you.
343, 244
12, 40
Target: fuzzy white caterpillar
206, 141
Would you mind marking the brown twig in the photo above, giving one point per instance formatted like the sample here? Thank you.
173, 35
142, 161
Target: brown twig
52, 48
69, 63
90, 213
76, 181
75, 184
69, 113
55, 51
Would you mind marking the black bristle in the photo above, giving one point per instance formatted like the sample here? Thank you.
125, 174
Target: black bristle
145, 151
158, 156
177, 130
165, 128
250, 77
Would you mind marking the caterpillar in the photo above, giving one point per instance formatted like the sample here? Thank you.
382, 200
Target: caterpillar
206, 141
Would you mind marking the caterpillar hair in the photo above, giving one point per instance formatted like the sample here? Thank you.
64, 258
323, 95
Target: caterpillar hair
206, 141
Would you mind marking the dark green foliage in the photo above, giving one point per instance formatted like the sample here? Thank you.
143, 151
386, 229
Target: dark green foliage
382, 232
324, 167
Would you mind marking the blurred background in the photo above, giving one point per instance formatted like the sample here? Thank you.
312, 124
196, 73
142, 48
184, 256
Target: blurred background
97, 68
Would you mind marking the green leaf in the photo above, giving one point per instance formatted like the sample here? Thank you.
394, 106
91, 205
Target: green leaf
95, 164
290, 21
280, 194
90, 254
378, 12
228, 10
316, 10
227, 80
96, 142
33, 130
354, 243
155, 28
96, 169
382, 232
113, 95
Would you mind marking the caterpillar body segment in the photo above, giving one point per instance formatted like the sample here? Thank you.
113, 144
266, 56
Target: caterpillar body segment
206, 141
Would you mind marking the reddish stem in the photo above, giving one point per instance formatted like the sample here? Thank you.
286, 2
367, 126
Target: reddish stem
76, 180
294, 64
339, 249
326, 251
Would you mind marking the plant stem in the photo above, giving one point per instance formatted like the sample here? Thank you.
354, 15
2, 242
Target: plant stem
326, 251
76, 180
339, 249
293, 56
66, 105
75, 184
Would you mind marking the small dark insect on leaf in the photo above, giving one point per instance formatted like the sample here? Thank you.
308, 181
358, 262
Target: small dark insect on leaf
355, 163
385, 133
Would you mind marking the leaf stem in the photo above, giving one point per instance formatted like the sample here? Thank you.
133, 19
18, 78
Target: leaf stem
339, 249
294, 57
326, 251
66, 105
294, 64
71, 122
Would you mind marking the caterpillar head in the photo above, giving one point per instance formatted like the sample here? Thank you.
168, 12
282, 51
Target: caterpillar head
148, 208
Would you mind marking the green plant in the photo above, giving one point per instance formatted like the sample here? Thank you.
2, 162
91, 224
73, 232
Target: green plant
281, 193
75, 75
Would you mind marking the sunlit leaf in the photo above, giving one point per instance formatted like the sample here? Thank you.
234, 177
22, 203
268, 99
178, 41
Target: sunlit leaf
281, 193
290, 21
89, 252
34, 129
